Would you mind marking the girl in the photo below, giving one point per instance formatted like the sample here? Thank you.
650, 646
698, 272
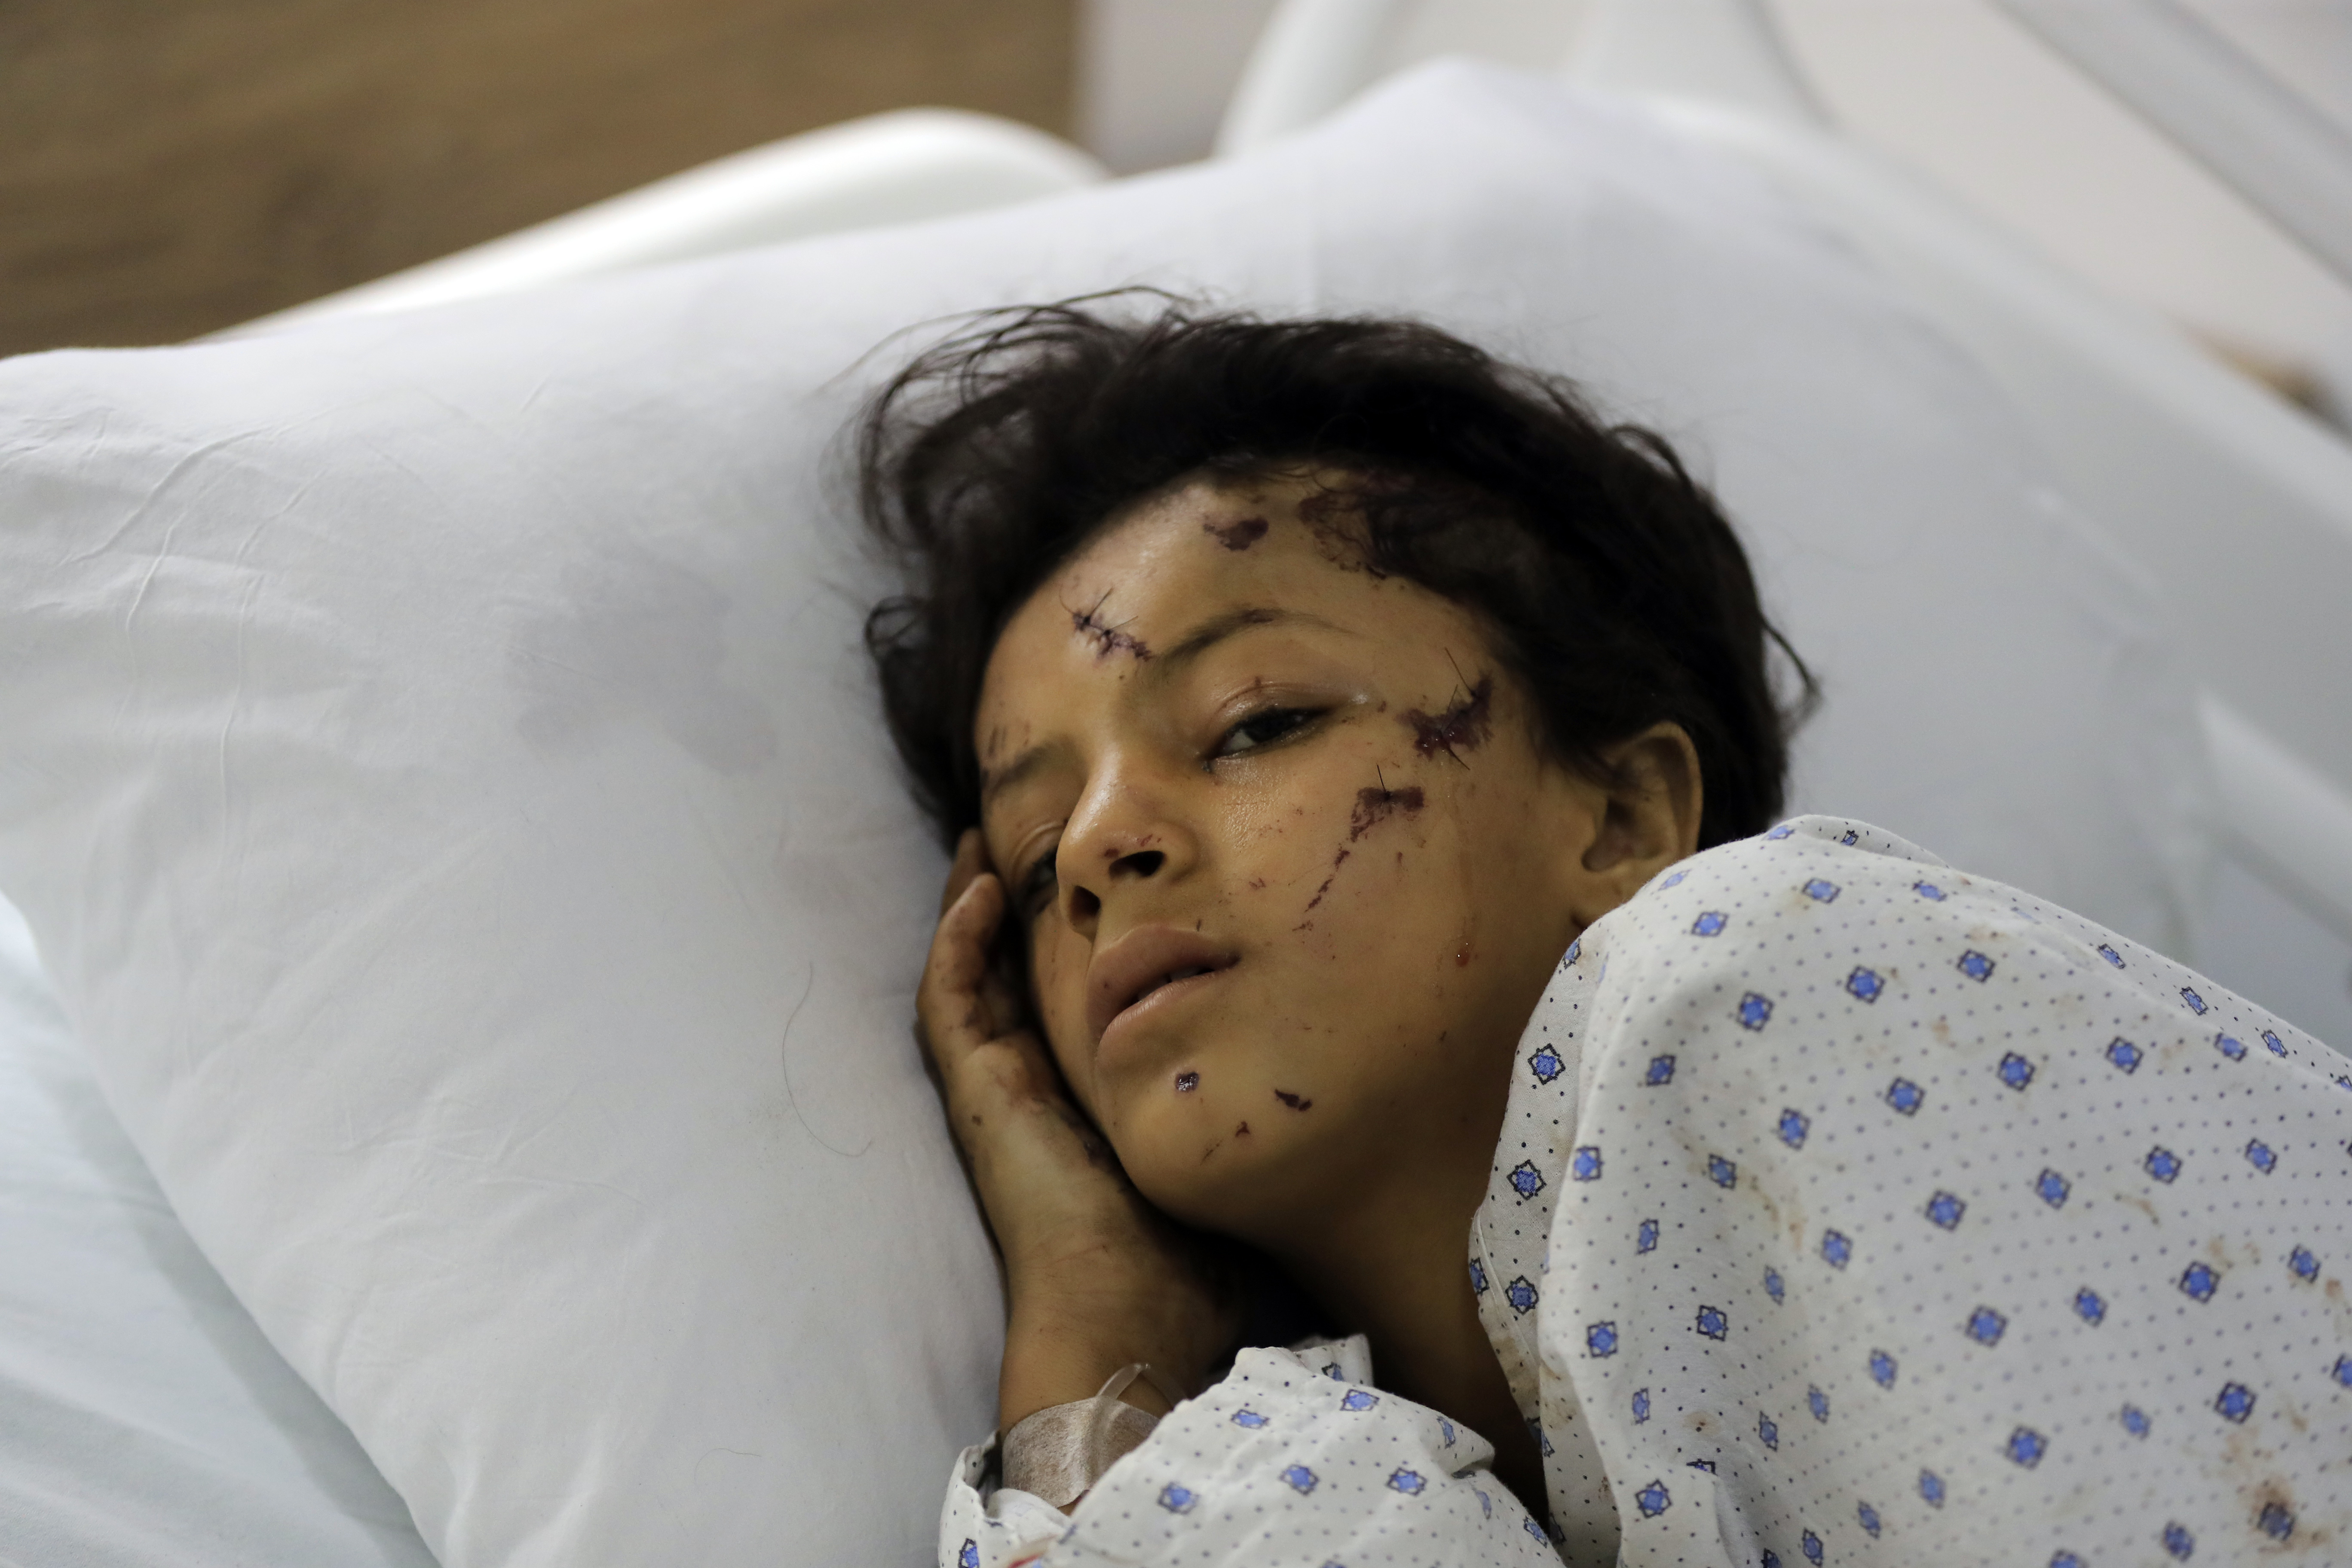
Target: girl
1358, 759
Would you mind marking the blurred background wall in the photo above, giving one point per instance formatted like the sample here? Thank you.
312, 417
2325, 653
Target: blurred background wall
169, 168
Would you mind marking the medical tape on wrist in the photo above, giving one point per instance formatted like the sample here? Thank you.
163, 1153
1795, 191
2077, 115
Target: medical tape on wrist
1059, 1453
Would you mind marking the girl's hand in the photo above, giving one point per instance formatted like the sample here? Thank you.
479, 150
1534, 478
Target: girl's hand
1097, 1278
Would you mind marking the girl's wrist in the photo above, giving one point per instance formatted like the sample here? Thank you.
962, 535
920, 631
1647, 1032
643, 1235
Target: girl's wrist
1052, 1362
1033, 1382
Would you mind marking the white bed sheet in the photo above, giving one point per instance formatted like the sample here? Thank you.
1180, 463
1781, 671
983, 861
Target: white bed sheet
144, 1418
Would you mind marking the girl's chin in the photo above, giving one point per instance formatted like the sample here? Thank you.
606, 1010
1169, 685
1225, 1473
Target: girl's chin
1220, 1169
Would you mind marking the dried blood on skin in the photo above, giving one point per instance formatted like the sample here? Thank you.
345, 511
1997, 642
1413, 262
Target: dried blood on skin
1327, 881
1375, 805
1336, 518
1237, 535
1295, 1101
1462, 727
1108, 638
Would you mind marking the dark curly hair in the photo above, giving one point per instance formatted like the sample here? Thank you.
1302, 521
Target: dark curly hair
1610, 583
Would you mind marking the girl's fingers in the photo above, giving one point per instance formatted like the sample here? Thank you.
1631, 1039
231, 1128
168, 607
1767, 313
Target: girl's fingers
971, 1024
970, 860
1003, 1004
949, 1003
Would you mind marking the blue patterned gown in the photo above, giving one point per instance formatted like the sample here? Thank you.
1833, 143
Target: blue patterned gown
1849, 1209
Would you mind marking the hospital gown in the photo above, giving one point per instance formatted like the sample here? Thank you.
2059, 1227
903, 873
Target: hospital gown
1849, 1209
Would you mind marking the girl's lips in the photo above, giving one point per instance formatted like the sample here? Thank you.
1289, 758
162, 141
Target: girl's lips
1147, 969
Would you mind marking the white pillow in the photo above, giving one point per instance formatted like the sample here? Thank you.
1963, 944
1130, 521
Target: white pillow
437, 761
144, 1421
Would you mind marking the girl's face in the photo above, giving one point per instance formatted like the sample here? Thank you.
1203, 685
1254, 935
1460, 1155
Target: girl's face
1292, 870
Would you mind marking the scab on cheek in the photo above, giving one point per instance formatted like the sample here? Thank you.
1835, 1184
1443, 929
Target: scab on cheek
1462, 727
1376, 805
1295, 1102
1186, 1082
1337, 861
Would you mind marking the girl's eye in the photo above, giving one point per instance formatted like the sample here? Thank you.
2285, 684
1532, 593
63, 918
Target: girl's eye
1263, 729
1038, 886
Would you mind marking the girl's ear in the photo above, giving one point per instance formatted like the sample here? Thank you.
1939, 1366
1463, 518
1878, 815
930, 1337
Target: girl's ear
1643, 818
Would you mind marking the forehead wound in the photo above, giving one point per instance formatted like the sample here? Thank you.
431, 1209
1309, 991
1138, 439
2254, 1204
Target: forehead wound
1105, 636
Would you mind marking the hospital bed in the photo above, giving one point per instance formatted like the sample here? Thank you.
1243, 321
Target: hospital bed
2238, 506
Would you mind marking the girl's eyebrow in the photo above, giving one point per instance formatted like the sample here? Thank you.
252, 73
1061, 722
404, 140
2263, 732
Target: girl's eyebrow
1218, 628
993, 781
1195, 643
